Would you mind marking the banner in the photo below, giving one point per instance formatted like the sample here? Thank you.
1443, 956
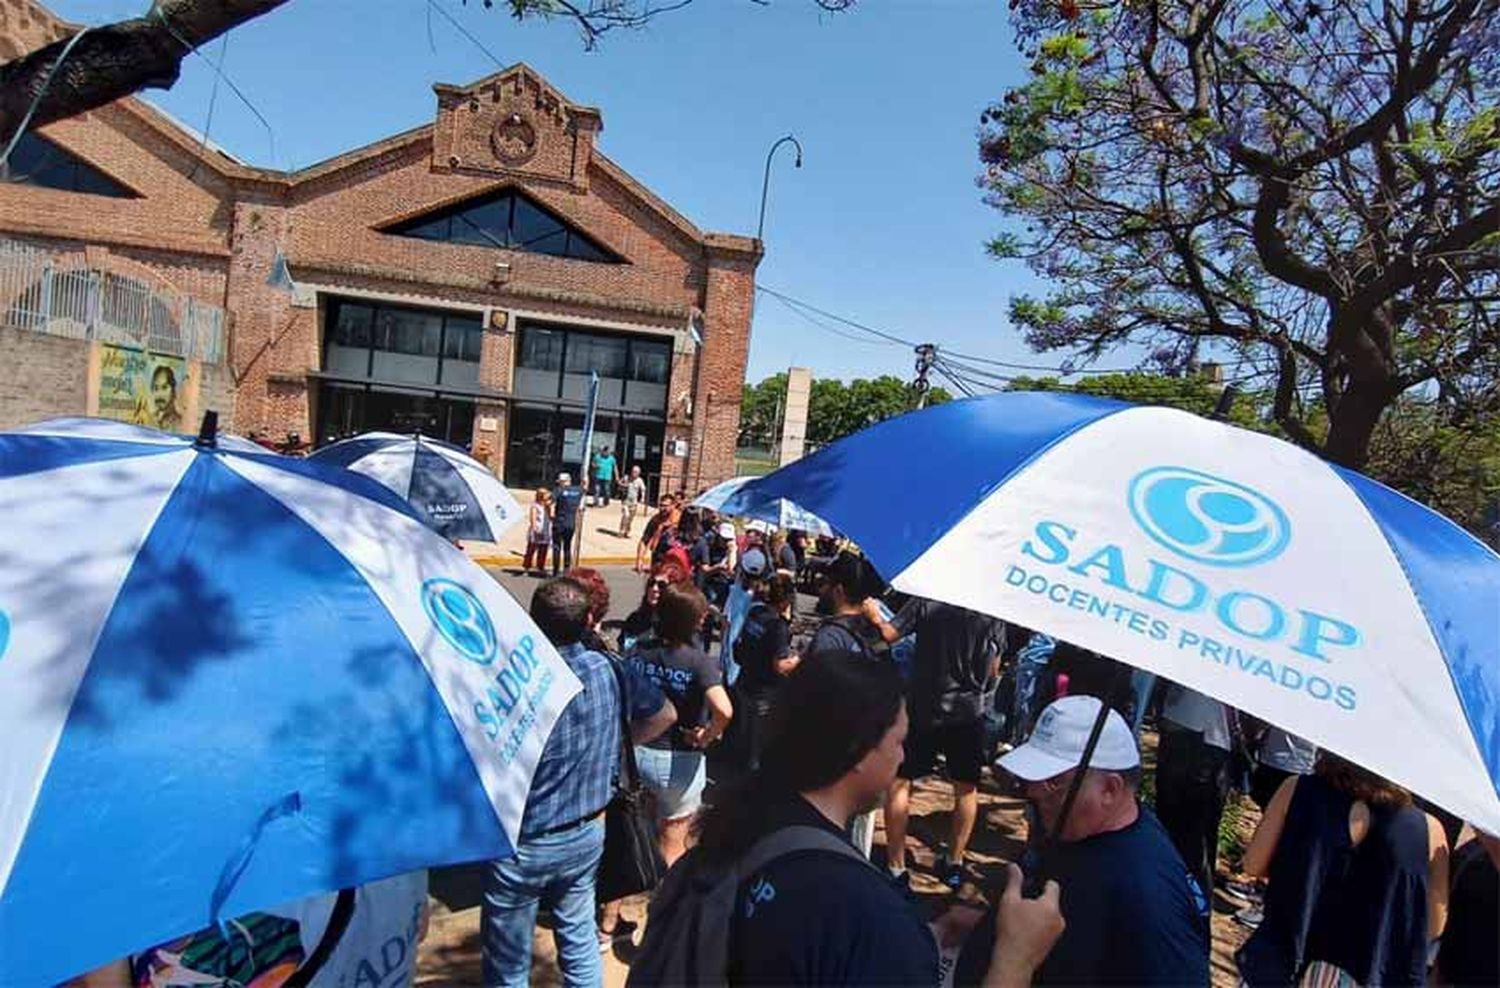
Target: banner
142, 388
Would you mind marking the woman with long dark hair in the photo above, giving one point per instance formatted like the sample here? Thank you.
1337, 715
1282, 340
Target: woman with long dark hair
765, 657
1358, 882
673, 766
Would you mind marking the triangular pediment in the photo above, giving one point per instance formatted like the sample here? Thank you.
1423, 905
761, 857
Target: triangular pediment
519, 80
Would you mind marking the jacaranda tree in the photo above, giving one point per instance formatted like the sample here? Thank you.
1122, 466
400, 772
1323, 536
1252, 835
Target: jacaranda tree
1306, 190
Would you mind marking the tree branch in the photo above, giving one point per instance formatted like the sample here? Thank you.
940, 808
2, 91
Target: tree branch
115, 60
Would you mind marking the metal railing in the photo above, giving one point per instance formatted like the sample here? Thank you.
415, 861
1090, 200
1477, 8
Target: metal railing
89, 304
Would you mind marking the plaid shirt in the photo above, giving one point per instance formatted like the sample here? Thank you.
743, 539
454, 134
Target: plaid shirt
575, 775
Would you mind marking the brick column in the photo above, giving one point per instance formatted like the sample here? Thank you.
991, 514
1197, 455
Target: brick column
496, 367
728, 297
274, 344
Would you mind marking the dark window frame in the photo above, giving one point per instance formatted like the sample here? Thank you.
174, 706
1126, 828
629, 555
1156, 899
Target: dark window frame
334, 310
576, 245
567, 334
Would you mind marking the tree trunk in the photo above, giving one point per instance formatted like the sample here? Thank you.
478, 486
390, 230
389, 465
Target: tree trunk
1353, 422
116, 60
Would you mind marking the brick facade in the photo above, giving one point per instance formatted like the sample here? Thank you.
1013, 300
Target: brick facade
212, 228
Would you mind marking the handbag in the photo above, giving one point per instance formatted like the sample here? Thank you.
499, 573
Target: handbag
631, 863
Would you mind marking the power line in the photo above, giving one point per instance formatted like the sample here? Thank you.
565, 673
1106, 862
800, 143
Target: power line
951, 379
37, 99
434, 5
827, 328
889, 337
221, 74
892, 338
208, 118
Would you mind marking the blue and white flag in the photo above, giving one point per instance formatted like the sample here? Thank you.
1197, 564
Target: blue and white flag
456, 495
1225, 560
229, 680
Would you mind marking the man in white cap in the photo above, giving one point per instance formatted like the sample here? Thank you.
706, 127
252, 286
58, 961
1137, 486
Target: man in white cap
1134, 913
716, 557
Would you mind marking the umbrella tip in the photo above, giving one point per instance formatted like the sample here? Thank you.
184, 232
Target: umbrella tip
208, 432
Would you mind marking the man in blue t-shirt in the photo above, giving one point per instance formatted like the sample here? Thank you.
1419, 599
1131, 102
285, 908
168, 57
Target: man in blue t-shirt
606, 472
1135, 915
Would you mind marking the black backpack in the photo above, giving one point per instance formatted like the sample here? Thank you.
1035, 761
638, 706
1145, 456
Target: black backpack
872, 646
692, 913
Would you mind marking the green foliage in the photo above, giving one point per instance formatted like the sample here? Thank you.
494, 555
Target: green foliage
835, 409
1277, 188
1453, 468
1194, 393
1231, 844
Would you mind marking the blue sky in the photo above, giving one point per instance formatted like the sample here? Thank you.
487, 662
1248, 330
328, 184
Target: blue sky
883, 223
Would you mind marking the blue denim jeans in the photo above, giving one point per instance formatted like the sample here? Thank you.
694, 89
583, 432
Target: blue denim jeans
557, 872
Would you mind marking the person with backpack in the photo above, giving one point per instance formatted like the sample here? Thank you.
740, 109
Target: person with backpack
852, 621
772, 891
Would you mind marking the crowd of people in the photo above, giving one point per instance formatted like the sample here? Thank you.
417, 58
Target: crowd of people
792, 730
768, 738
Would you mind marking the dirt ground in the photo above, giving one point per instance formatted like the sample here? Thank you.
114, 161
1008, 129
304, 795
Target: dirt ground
450, 955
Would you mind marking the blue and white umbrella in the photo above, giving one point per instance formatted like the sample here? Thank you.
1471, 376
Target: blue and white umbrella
1226, 560
454, 493
229, 680
779, 511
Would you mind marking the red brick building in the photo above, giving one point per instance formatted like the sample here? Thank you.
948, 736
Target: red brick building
463, 278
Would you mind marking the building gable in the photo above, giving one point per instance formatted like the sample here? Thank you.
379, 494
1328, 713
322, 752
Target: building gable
514, 123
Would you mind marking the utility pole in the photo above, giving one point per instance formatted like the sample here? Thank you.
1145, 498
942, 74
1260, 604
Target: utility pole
926, 355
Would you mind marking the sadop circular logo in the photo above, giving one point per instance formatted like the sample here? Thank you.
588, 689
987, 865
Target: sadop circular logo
1208, 519
461, 619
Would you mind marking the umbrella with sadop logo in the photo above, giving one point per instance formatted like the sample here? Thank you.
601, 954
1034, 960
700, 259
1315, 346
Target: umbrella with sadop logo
1226, 560
779, 511
456, 495
234, 679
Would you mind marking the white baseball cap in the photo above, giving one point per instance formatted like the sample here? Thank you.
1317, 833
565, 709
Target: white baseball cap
565, 478
726, 529
1061, 734
758, 526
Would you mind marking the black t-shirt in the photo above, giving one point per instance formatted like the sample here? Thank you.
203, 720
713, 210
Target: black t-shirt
1470, 954
638, 630
955, 646
684, 674
565, 502
1135, 916
816, 918
652, 525
766, 637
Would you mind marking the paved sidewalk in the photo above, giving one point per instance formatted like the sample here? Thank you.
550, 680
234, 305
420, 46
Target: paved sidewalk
602, 545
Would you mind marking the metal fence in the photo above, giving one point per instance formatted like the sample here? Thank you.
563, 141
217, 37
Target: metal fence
86, 304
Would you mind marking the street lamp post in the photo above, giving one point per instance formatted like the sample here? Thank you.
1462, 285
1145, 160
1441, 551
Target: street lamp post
765, 183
